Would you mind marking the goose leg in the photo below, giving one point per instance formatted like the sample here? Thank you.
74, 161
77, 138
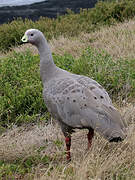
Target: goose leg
68, 144
90, 136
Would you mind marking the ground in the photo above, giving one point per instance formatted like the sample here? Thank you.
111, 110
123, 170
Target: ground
104, 160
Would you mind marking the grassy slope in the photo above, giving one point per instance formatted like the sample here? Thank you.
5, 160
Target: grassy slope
69, 25
39, 149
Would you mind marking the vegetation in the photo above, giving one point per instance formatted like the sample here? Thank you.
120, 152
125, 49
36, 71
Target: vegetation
32, 146
104, 13
22, 166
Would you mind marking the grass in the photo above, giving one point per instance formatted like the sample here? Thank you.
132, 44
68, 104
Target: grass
38, 153
16, 84
21, 167
31, 144
69, 25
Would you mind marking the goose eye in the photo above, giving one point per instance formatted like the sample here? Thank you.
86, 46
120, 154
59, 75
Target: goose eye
32, 34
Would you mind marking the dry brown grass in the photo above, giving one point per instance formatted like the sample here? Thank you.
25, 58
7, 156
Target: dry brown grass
103, 161
23, 141
117, 40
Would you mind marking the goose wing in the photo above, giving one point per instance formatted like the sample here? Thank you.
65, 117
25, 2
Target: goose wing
78, 106
95, 87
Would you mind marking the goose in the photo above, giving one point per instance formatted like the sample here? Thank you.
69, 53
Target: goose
75, 101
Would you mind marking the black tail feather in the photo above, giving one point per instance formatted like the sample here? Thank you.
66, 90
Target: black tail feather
116, 139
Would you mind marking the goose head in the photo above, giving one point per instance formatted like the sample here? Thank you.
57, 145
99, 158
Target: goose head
33, 36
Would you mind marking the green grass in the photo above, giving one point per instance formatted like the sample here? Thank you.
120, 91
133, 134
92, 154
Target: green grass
71, 24
21, 87
21, 167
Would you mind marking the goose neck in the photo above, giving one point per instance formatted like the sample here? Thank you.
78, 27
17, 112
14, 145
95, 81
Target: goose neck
47, 66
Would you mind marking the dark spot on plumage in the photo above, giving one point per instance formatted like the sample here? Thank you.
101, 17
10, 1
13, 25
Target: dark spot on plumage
68, 98
83, 97
65, 92
95, 97
111, 108
85, 105
74, 100
81, 107
101, 97
92, 87
71, 87
73, 91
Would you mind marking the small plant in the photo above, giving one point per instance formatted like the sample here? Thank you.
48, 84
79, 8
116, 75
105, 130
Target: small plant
10, 170
20, 167
58, 143
64, 62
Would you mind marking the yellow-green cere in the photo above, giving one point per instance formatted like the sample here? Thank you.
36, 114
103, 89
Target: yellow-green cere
25, 38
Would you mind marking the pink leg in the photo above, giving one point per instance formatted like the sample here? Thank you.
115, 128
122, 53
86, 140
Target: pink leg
90, 136
68, 144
